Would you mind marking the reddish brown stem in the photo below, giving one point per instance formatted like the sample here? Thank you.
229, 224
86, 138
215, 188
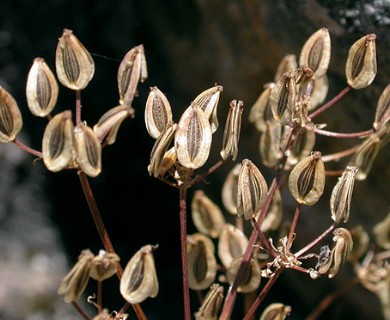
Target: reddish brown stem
78, 108
293, 225
330, 103
343, 135
202, 176
80, 311
27, 149
342, 154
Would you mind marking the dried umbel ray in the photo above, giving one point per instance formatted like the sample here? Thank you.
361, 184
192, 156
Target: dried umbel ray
229, 190
139, 279
202, 265
276, 311
104, 265
307, 179
41, 89
206, 215
211, 304
382, 113
10, 117
251, 278
75, 282
74, 65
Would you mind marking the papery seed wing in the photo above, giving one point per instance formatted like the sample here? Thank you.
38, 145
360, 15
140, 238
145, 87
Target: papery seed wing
10, 117
232, 244
382, 113
261, 112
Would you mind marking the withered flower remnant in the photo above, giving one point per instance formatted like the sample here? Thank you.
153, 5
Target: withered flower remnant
276, 311
74, 65
211, 304
251, 278
10, 117
104, 265
41, 89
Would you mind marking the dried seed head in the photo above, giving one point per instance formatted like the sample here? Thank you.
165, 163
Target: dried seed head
282, 98
232, 244
301, 147
75, 282
361, 242
110, 122
211, 304
160, 160
231, 134
41, 89
250, 280
261, 112
104, 265
158, 113
382, 233
58, 142
252, 190
382, 113
287, 64
132, 70
340, 200
202, 266
319, 92
229, 190
276, 311
316, 53
139, 280
274, 216
89, 151
74, 65
193, 138
208, 102
270, 144
10, 117
307, 179
361, 63
206, 215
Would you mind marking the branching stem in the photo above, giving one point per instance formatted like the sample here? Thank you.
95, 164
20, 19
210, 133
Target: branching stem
330, 102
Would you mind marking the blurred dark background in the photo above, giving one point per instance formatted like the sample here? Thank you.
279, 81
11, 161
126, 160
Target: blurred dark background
189, 46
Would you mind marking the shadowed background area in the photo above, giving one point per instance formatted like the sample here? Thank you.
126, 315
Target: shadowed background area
189, 47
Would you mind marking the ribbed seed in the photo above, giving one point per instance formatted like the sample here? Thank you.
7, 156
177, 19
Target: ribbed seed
361, 67
302, 146
229, 190
251, 278
382, 113
232, 244
270, 144
275, 311
261, 112
287, 64
274, 215
10, 117
211, 304
319, 91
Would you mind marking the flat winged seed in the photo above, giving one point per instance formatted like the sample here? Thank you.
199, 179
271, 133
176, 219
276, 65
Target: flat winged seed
274, 216
340, 200
232, 244
287, 64
74, 65
206, 215
104, 265
361, 242
10, 117
381, 232
139, 280
282, 97
58, 142
261, 112
202, 265
269, 144
110, 122
316, 53
211, 304
252, 190
307, 179
276, 311
89, 151
251, 277
231, 134
158, 113
319, 92
193, 138
302, 145
208, 102
132, 70
382, 113
75, 282
361, 67
41, 89
229, 190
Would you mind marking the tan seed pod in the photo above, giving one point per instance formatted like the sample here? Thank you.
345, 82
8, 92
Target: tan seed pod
382, 113
307, 179
193, 138
282, 98
232, 244
10, 117
231, 134
206, 215
110, 122
382, 233
229, 190
89, 151
319, 92
301, 147
274, 216
340, 200
75, 282
251, 278
169, 159
208, 102
270, 144
361, 241
361, 65
316, 53
211, 304
74, 65
139, 279
158, 113
132, 70
252, 190
276, 311
202, 266
41, 89
261, 112
58, 142
287, 64
104, 265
